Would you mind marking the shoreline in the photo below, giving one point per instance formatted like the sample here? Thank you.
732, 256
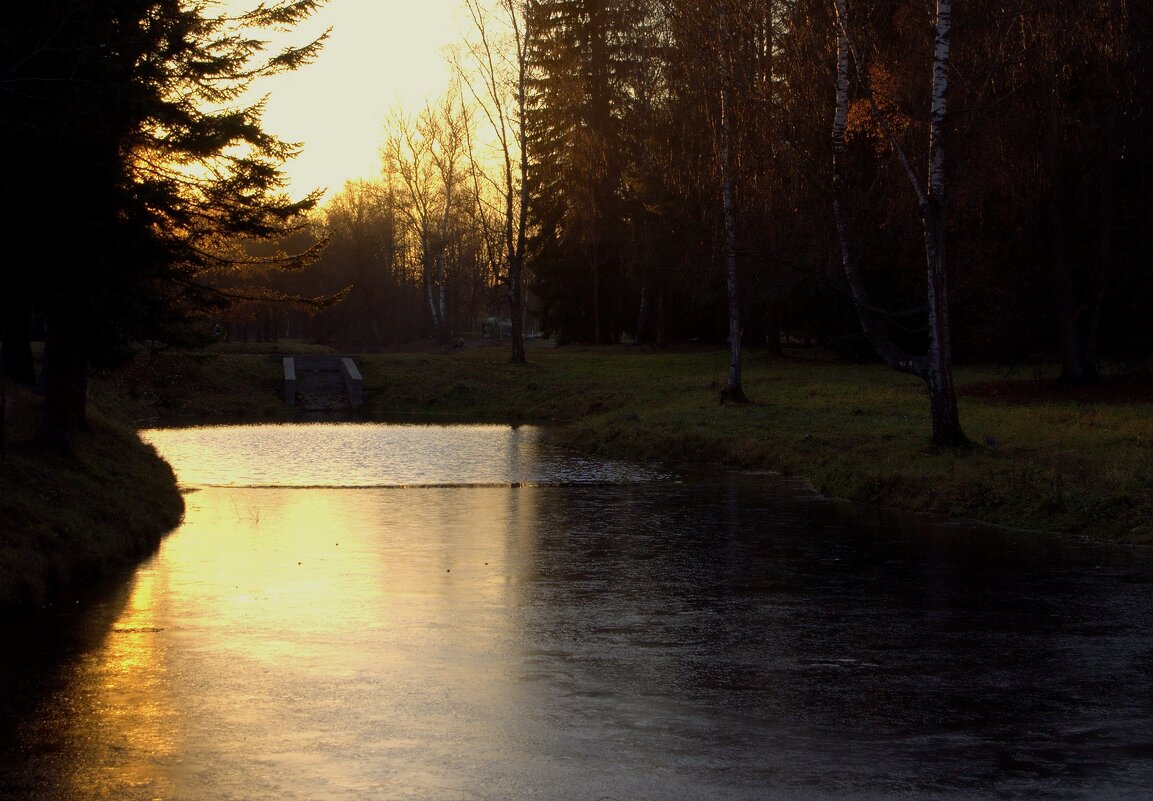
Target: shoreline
1065, 463
69, 521
1074, 460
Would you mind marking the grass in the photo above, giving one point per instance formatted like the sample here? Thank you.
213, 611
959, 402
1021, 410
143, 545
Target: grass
1074, 462
67, 519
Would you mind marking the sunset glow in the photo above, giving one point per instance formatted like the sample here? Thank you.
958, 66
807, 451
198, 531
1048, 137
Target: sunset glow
379, 55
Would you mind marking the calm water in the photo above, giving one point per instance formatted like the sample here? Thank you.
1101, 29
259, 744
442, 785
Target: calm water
474, 615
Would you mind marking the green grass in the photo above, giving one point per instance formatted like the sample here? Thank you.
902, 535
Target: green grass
1072, 462
1061, 462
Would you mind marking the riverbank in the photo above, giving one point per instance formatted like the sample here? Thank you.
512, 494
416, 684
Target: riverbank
65, 520
1078, 462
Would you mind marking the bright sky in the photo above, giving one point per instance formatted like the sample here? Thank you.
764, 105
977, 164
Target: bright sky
381, 53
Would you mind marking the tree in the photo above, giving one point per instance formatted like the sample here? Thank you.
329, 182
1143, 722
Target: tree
935, 366
362, 254
733, 389
424, 163
499, 84
139, 172
579, 61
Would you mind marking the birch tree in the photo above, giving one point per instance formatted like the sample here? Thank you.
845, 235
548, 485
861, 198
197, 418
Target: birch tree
424, 162
733, 390
935, 366
497, 82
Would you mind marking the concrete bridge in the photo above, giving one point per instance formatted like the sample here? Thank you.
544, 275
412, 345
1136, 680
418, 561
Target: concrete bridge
322, 383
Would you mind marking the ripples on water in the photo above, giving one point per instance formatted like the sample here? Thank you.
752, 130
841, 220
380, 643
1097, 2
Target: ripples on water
375, 455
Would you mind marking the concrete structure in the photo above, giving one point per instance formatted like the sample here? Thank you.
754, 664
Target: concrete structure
323, 383
353, 383
289, 380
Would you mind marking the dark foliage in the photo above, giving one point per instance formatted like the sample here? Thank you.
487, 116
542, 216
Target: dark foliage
134, 171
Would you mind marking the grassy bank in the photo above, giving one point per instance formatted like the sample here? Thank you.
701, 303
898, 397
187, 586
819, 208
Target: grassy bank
1075, 462
67, 519
1078, 462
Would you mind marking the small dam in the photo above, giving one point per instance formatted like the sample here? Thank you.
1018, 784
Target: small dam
323, 383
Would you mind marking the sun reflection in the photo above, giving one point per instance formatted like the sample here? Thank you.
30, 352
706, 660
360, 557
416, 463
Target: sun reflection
333, 642
124, 724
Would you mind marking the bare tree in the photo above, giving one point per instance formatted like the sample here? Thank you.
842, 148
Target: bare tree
935, 366
424, 161
497, 81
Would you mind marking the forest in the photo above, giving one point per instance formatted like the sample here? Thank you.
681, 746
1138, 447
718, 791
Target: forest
647, 151
920, 182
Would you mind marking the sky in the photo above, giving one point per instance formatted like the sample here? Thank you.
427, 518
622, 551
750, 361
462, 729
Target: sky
380, 54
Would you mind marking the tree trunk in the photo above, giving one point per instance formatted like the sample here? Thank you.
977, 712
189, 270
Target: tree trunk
430, 294
661, 339
516, 314
596, 295
642, 315
1075, 367
733, 390
442, 311
946, 418
947, 430
935, 368
1107, 232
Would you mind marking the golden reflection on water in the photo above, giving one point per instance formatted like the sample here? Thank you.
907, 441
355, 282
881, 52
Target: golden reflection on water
118, 713
323, 641
353, 455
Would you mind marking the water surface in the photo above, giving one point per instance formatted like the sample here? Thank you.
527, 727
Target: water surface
374, 455
531, 626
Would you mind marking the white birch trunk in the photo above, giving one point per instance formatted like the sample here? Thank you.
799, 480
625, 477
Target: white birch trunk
429, 282
441, 270
935, 367
733, 390
942, 394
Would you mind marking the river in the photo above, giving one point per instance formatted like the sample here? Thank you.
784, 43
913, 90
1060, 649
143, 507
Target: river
450, 613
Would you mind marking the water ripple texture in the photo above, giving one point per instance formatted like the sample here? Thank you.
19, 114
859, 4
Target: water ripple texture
362, 455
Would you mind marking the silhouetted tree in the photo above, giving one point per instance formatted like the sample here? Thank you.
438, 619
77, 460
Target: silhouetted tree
138, 173
425, 164
498, 81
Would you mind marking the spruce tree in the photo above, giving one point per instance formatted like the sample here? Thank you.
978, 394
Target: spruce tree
134, 168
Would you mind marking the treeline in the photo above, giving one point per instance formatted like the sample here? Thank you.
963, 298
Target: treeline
641, 116
896, 178
1050, 115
